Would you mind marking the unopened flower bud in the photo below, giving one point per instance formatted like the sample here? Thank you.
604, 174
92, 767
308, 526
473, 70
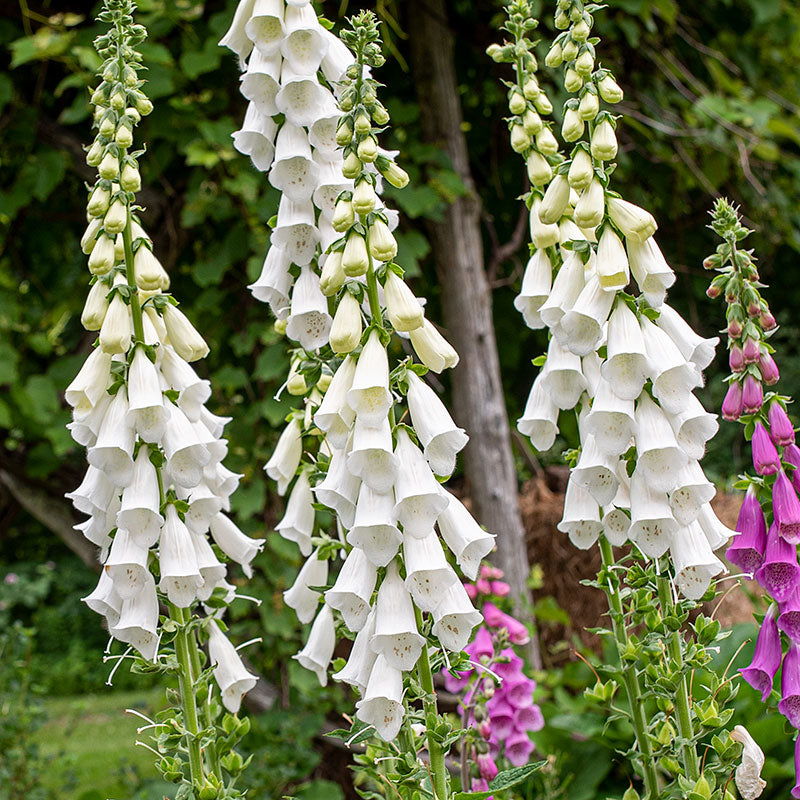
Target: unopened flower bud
402, 308
732, 404
344, 133
95, 154
346, 329
117, 101
147, 269
116, 330
355, 259
280, 327
768, 368
570, 50
590, 208
494, 51
520, 140
96, 306
395, 175
183, 336
380, 116
382, 244
561, 21
572, 127
531, 88
433, 350
119, 248
532, 122
554, 57
99, 97
324, 382
751, 351
332, 276
98, 202
133, 114
143, 105
589, 106
546, 143
362, 124
123, 136
368, 149
752, 395
539, 170
581, 170
90, 235
580, 31
343, 216
107, 127
296, 383
572, 80
766, 320
584, 65
364, 197
604, 142
129, 179
609, 89
555, 200
116, 217
351, 168
516, 102
736, 359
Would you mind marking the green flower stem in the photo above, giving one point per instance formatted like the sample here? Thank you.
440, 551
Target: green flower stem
629, 676
184, 642
691, 762
435, 750
136, 307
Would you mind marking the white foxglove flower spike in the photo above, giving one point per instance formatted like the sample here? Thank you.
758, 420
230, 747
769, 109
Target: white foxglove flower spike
230, 673
318, 652
374, 529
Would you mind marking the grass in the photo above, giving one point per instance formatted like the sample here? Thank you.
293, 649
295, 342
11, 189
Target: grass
90, 741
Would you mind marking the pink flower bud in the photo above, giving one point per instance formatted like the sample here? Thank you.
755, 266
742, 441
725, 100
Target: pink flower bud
735, 329
752, 395
750, 351
769, 369
736, 359
767, 320
500, 588
732, 404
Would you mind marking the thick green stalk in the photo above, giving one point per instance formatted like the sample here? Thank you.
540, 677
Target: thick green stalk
629, 676
435, 750
689, 757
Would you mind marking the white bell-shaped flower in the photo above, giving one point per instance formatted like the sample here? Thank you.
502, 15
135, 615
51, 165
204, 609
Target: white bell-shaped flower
256, 137
371, 456
382, 703
300, 596
113, 450
352, 593
204, 504
562, 377
396, 636
339, 490
297, 524
650, 270
693, 427
117, 328
717, 534
94, 494
625, 367
567, 286
265, 27
695, 563
318, 652
186, 454
140, 510
300, 96
418, 498
96, 530
616, 524
659, 455
542, 235
236, 37
692, 346
539, 421
634, 222
145, 402
138, 621
217, 448
305, 45
309, 322
433, 350
335, 416
105, 600
692, 490
374, 529
582, 326
275, 281
284, 462
126, 564
610, 421
294, 172
322, 133
260, 83
596, 471
222, 481
439, 436
652, 524
591, 366
581, 518
536, 284
673, 376
369, 395
238, 547
89, 386
193, 392
402, 308
613, 269
338, 57
428, 574
748, 774
180, 573
468, 542
212, 570
455, 618
182, 335
359, 665
330, 184
232, 677
85, 427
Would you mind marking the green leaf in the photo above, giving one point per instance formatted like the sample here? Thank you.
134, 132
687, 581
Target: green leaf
504, 780
45, 43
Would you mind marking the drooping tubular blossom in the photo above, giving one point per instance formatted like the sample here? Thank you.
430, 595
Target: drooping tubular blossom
635, 403
767, 657
156, 485
373, 435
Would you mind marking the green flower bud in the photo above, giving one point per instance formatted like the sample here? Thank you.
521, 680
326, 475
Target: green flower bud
581, 170
591, 206
116, 217
531, 88
561, 21
332, 276
344, 133
98, 202
604, 142
539, 170
129, 77
584, 66
609, 89
555, 56
99, 97
101, 259
346, 330
520, 141
133, 114
355, 259
543, 104
324, 382
109, 166
362, 124
129, 179
280, 327
352, 166
368, 149
494, 51
117, 101
382, 244
368, 95
110, 73
107, 127
570, 50
395, 175
546, 143
555, 201
123, 136
516, 102
532, 122
572, 80
572, 127
364, 197
348, 100
343, 216
295, 382
95, 154
380, 116
580, 31
143, 105
589, 106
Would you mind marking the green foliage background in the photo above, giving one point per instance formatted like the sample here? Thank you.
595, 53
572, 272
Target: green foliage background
713, 107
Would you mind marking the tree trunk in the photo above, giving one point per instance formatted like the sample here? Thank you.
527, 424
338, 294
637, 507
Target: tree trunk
478, 399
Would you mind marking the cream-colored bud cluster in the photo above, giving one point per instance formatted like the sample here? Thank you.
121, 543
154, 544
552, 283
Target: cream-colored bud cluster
156, 485
586, 243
